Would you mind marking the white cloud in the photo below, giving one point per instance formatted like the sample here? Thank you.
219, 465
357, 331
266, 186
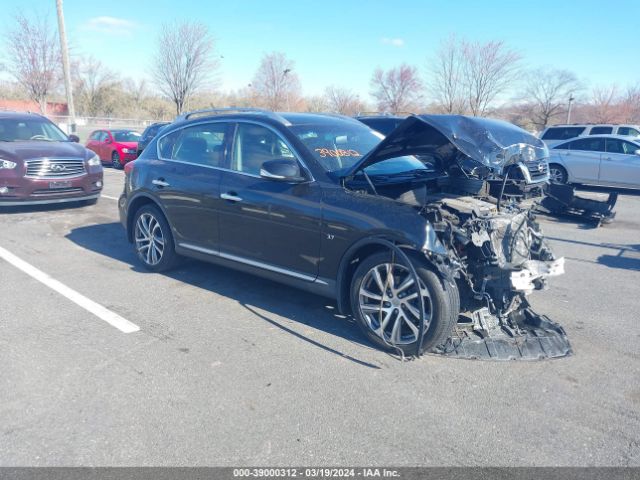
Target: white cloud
110, 25
395, 42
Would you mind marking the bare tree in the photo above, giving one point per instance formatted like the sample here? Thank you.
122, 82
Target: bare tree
95, 87
396, 90
341, 100
489, 70
33, 55
630, 105
446, 77
275, 83
184, 61
316, 104
547, 93
604, 104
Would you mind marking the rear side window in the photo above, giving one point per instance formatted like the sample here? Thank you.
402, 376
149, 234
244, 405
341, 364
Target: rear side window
562, 133
95, 136
201, 144
588, 144
628, 131
601, 130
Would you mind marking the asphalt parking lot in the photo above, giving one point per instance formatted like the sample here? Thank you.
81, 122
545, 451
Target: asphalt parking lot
228, 369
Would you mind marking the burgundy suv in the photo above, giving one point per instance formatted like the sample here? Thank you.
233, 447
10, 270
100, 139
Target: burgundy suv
40, 164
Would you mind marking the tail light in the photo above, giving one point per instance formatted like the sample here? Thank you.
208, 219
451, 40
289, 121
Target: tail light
128, 167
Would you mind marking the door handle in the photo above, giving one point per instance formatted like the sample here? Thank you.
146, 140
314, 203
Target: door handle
159, 182
231, 196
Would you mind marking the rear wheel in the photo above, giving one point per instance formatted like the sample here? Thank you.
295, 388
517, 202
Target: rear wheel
557, 174
115, 160
386, 303
153, 240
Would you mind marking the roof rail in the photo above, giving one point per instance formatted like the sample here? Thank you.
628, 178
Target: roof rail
207, 112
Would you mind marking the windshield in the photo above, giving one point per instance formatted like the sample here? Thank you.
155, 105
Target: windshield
33, 129
126, 136
339, 146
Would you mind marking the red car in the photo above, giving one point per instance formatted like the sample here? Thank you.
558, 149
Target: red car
116, 147
40, 164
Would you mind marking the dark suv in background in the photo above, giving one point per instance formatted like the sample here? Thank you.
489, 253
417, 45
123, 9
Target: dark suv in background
149, 134
40, 164
320, 203
385, 124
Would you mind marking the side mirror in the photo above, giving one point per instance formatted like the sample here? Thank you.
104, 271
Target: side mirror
108, 140
74, 138
282, 170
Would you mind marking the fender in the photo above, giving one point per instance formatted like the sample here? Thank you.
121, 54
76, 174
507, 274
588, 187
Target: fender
128, 214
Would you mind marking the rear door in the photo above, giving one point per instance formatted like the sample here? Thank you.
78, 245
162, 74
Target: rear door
267, 223
620, 164
187, 181
582, 159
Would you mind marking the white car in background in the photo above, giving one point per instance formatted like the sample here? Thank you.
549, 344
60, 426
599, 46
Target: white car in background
558, 133
601, 160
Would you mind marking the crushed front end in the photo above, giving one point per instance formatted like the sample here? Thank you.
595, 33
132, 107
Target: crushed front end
497, 258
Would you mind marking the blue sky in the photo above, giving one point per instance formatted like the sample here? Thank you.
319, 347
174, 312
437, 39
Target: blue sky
342, 42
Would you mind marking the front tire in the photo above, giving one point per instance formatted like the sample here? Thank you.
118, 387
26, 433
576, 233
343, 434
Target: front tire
385, 303
153, 240
115, 160
558, 174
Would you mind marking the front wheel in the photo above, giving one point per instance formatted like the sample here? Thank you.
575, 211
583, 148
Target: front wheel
115, 160
386, 304
153, 240
557, 174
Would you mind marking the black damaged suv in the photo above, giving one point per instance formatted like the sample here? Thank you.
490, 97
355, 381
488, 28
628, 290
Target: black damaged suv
322, 202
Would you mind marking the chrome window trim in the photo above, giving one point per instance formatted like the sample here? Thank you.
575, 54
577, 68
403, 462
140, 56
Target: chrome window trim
253, 263
293, 150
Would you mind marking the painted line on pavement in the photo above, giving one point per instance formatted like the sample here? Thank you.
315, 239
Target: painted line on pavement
110, 198
96, 309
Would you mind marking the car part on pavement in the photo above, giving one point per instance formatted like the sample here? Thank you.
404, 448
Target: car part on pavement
563, 200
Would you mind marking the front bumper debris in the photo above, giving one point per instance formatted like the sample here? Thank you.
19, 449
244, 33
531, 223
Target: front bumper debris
529, 336
562, 200
533, 272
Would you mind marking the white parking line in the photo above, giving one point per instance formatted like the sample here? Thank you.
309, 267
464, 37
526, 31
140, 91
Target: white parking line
98, 310
110, 198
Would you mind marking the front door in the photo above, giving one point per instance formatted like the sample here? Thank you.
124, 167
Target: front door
620, 164
268, 223
583, 159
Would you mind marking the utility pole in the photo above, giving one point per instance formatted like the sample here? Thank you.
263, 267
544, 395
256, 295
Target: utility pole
284, 82
65, 67
571, 99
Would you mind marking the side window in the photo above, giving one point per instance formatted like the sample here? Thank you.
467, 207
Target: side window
600, 130
95, 136
588, 144
615, 146
201, 144
562, 133
564, 146
255, 145
628, 131
103, 136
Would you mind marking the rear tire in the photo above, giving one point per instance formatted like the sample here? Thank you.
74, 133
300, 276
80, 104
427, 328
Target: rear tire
115, 160
153, 240
399, 303
558, 174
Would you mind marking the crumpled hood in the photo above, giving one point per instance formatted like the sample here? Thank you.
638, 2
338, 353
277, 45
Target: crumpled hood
491, 143
38, 149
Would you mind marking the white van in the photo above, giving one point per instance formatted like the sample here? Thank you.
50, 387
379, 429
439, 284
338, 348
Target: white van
558, 133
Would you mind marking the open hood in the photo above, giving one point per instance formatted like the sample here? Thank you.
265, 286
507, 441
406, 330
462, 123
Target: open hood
491, 143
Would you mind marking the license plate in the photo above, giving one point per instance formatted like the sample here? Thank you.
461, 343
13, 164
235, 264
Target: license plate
59, 184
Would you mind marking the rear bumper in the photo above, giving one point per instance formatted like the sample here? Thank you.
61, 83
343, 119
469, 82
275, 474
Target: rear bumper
32, 191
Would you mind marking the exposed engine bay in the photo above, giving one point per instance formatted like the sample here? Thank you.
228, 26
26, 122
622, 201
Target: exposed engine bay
488, 243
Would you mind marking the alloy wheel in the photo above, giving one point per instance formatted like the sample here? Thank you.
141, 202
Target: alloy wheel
556, 175
149, 239
115, 160
390, 304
